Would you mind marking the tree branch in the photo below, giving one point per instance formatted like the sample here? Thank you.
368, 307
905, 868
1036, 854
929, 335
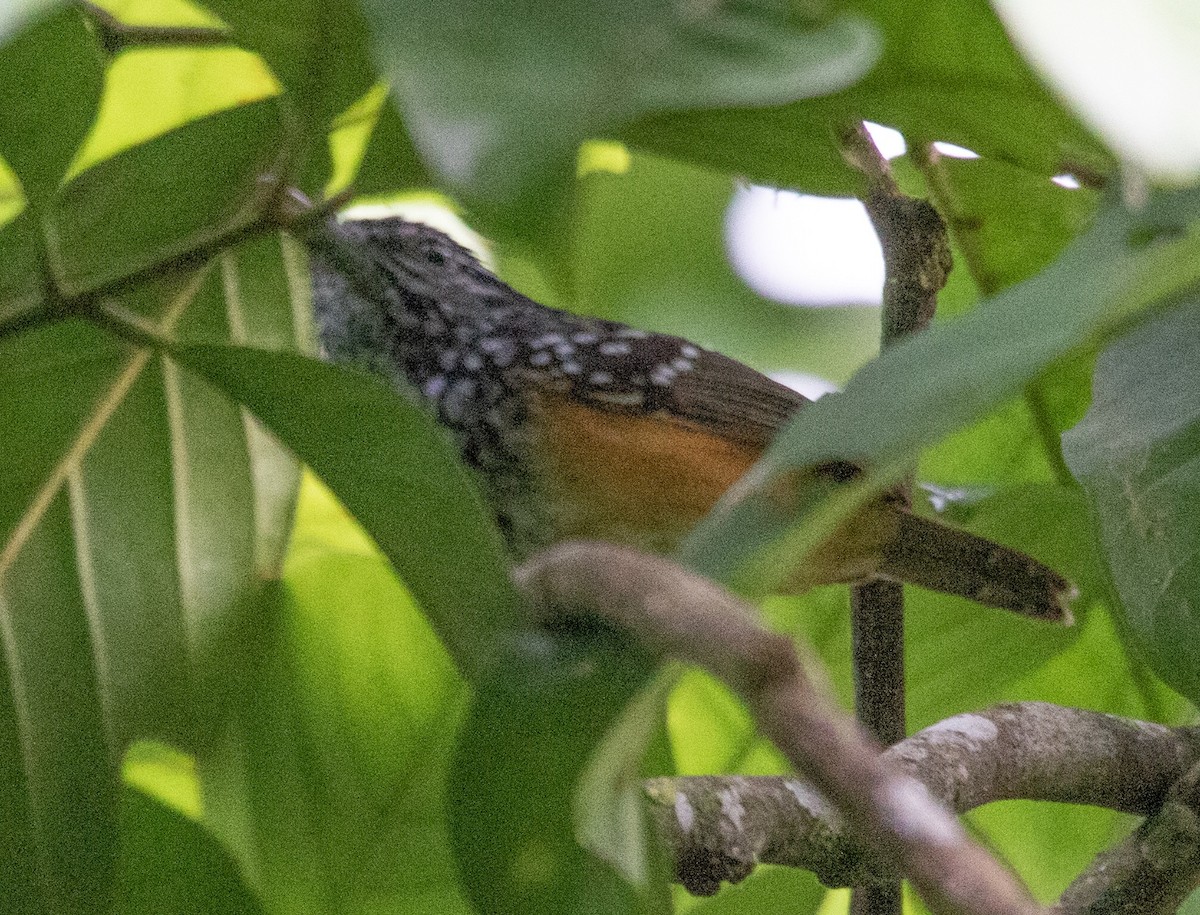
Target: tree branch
677, 612
1030, 751
1154, 870
917, 262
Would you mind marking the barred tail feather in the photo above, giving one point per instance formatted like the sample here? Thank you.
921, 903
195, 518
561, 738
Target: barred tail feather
947, 559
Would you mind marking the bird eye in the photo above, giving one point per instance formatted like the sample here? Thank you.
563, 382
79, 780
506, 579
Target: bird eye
435, 256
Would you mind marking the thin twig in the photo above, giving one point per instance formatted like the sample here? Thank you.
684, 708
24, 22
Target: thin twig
677, 612
117, 36
968, 237
916, 258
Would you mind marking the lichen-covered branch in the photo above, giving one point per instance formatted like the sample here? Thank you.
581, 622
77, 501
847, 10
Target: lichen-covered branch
1154, 870
682, 614
1031, 750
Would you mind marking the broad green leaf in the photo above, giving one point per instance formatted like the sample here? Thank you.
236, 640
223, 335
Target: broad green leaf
329, 783
319, 51
926, 387
51, 75
133, 502
1009, 223
171, 864
1137, 452
544, 706
389, 162
394, 470
947, 72
1144, 112
499, 96
167, 197
151, 91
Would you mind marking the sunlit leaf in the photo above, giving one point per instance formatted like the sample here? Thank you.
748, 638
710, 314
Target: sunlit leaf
396, 473
329, 784
159, 200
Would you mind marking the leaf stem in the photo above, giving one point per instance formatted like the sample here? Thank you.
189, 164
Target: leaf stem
117, 36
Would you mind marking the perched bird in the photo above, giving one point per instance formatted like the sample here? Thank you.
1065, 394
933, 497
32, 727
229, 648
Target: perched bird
578, 427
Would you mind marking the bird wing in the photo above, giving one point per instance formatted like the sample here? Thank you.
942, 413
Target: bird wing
723, 396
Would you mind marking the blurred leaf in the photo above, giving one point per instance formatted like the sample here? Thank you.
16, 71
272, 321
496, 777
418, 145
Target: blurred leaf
51, 76
164, 198
389, 161
778, 890
21, 279
947, 72
129, 498
924, 388
329, 785
395, 471
498, 98
1137, 452
650, 251
1146, 113
609, 800
548, 700
319, 50
19, 14
170, 864
1008, 222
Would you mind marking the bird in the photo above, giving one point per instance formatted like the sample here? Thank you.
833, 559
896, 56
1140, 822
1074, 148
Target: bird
577, 427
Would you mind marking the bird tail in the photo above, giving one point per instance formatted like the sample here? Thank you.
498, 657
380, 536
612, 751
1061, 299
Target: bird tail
930, 554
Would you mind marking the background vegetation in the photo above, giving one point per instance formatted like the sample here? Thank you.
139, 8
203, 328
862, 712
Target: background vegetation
204, 708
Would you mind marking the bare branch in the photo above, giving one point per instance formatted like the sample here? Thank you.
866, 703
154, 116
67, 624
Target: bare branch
1031, 750
689, 617
917, 259
1154, 870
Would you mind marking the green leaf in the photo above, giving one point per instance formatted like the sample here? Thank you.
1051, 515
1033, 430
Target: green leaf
499, 96
1137, 452
329, 783
169, 862
319, 50
546, 703
390, 162
394, 470
128, 543
21, 279
778, 890
51, 76
947, 72
926, 387
1009, 223
164, 198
